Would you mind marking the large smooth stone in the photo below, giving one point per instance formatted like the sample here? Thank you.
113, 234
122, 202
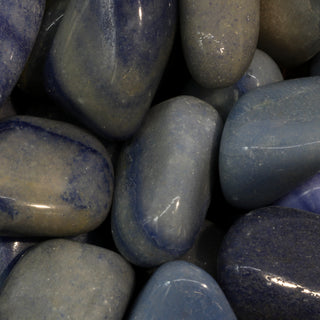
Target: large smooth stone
107, 60
56, 179
269, 265
63, 279
163, 183
290, 30
219, 39
180, 290
270, 143
19, 24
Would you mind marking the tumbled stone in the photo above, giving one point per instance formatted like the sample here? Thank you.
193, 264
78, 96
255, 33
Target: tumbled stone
63, 279
269, 265
289, 30
269, 143
107, 60
180, 290
219, 39
56, 179
163, 183
19, 24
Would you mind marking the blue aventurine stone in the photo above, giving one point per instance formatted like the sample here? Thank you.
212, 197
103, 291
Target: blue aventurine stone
56, 179
269, 265
163, 183
270, 142
19, 24
107, 60
180, 290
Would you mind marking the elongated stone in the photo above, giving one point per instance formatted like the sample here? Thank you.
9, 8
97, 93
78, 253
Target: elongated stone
19, 24
180, 290
270, 143
269, 265
163, 181
219, 39
107, 60
56, 179
62, 279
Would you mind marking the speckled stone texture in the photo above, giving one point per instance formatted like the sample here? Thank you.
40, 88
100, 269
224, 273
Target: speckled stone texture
19, 24
62, 279
163, 183
107, 60
269, 265
56, 179
180, 290
219, 39
270, 142
289, 30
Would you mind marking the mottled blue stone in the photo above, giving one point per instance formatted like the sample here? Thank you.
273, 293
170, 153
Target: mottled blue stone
19, 24
270, 142
63, 279
163, 183
56, 179
180, 290
269, 265
107, 60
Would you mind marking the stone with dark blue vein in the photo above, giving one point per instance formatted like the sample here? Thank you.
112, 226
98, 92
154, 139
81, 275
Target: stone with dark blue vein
163, 183
269, 265
19, 24
107, 60
56, 179
181, 290
63, 279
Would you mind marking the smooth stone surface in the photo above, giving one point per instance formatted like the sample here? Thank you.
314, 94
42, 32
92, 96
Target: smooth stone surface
271, 138
290, 30
63, 279
19, 24
107, 60
163, 183
269, 265
180, 290
219, 39
56, 179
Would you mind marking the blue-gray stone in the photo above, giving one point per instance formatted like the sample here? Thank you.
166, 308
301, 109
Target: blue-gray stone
107, 60
269, 265
56, 179
63, 279
270, 142
19, 24
180, 290
219, 39
163, 182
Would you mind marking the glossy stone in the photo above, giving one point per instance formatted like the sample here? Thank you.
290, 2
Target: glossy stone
107, 60
289, 30
56, 179
63, 279
163, 183
219, 39
180, 290
269, 265
271, 138
19, 23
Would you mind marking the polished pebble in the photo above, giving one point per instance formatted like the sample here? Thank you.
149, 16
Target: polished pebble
163, 183
180, 290
270, 142
289, 30
219, 39
19, 24
269, 265
56, 179
107, 60
63, 279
